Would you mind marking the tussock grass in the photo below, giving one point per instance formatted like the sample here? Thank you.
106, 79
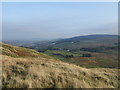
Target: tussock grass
46, 72
20, 52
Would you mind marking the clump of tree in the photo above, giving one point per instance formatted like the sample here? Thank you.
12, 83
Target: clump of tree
99, 49
69, 56
48, 48
91, 49
86, 55
42, 50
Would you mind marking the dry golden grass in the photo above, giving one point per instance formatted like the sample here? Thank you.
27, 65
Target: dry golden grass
45, 72
20, 52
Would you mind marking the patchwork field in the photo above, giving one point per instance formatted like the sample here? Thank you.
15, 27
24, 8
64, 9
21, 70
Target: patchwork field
87, 51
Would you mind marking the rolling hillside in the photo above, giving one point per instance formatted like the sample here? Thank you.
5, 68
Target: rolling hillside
17, 52
27, 68
86, 51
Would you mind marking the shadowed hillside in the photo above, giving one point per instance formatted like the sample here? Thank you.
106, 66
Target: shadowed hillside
27, 68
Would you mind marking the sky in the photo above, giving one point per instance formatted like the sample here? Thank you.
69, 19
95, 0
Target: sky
54, 20
0, 21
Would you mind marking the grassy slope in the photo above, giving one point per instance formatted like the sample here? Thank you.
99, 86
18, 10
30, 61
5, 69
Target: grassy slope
42, 71
20, 52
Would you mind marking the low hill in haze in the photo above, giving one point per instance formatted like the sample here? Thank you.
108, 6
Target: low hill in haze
27, 68
78, 42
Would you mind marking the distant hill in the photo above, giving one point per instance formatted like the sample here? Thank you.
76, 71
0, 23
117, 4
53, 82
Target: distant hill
79, 42
27, 68
90, 37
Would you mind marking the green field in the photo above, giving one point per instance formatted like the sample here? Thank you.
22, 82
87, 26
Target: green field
95, 60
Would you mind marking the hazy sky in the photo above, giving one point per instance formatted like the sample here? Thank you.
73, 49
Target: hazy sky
52, 20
